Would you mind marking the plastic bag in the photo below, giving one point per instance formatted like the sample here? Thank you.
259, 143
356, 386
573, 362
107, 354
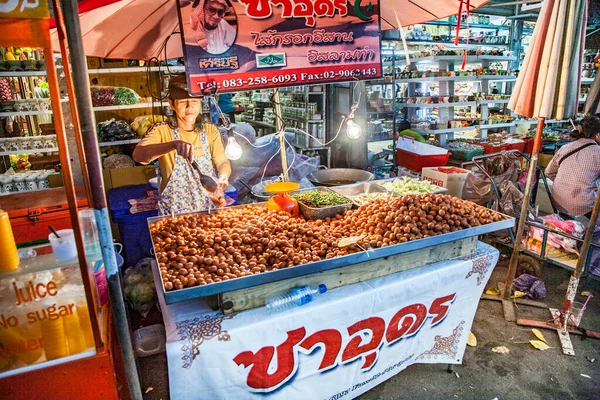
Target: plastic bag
557, 245
532, 285
595, 256
125, 96
143, 123
477, 185
303, 166
112, 130
246, 130
139, 287
511, 200
104, 96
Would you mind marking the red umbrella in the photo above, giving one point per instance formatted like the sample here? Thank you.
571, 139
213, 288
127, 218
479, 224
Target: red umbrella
138, 29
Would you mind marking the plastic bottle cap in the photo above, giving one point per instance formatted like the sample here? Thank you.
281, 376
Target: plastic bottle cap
322, 288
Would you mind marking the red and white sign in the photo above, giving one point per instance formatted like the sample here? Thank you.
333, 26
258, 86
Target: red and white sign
234, 45
344, 343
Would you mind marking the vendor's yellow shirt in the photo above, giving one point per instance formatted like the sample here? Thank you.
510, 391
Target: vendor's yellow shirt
163, 133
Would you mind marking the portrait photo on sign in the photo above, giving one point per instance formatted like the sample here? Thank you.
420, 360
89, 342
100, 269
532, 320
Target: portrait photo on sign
212, 25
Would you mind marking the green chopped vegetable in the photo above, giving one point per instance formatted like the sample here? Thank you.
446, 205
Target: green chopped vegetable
321, 199
406, 185
125, 96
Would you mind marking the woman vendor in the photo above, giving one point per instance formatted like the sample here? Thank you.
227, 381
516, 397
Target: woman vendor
176, 145
575, 171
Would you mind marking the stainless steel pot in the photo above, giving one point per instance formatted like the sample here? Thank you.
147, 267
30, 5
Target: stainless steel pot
338, 176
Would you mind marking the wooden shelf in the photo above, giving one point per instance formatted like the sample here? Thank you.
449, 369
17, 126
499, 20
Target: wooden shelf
16, 74
470, 59
459, 79
438, 105
8, 153
24, 113
156, 104
493, 101
119, 142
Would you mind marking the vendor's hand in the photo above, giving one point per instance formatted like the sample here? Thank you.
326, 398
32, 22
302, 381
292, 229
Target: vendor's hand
218, 199
223, 182
184, 149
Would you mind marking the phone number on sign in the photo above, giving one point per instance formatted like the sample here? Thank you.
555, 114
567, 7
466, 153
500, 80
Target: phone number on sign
303, 77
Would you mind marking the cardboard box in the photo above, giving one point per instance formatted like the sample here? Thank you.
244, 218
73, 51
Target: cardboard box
544, 160
453, 182
542, 199
131, 176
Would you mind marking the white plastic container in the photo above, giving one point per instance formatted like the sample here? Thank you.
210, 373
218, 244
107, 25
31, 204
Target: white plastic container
64, 248
150, 340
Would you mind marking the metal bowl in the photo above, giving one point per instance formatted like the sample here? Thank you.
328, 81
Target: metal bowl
338, 176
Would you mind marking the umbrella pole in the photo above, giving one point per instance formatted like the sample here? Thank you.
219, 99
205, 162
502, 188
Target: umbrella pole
514, 259
90, 141
281, 134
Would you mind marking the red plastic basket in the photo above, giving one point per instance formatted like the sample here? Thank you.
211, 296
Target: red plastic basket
516, 146
490, 148
416, 162
529, 145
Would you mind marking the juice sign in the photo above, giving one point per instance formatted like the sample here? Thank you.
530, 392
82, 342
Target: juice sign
234, 45
24, 9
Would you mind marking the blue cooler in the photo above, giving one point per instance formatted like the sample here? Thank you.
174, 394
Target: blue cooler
133, 228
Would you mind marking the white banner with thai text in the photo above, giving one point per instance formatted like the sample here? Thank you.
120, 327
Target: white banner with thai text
339, 346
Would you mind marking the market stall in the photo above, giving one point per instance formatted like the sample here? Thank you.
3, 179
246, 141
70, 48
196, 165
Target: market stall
388, 266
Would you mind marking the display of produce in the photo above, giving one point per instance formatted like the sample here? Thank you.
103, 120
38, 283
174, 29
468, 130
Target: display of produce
142, 123
111, 130
200, 249
103, 96
370, 197
321, 198
20, 162
118, 161
451, 170
406, 185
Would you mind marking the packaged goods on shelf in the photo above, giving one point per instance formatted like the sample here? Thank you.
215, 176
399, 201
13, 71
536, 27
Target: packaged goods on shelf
104, 96
142, 123
112, 130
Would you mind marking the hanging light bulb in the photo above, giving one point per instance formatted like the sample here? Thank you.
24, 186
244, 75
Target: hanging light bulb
353, 129
233, 150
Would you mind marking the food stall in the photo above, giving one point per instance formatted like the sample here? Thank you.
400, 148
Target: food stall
403, 277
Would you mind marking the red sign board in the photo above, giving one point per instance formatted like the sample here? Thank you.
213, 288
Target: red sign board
233, 45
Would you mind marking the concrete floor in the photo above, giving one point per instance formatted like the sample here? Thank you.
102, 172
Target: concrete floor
525, 373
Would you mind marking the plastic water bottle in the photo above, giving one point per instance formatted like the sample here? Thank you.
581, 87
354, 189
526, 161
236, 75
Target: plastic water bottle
296, 297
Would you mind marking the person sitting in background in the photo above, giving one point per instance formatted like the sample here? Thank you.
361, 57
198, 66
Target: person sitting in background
575, 171
404, 129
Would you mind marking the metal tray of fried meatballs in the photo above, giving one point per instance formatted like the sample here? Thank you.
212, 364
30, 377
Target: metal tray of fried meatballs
211, 252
